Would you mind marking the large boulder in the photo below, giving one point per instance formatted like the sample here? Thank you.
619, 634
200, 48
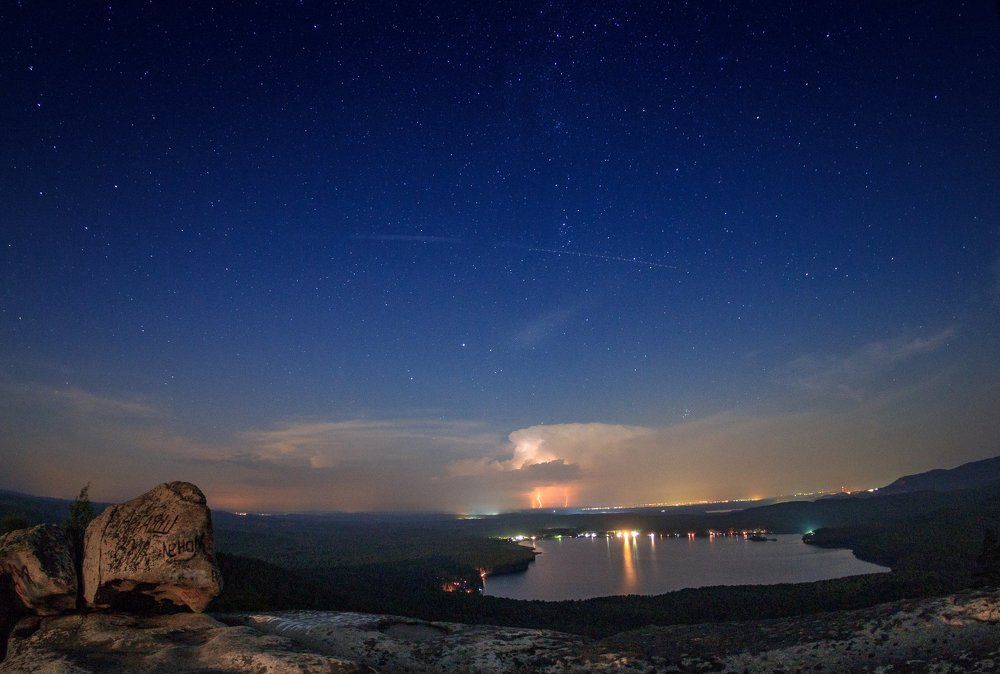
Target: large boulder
156, 550
37, 564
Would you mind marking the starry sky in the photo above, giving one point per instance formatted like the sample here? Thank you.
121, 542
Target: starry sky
480, 256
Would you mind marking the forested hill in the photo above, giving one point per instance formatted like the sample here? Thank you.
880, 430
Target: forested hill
35, 509
966, 476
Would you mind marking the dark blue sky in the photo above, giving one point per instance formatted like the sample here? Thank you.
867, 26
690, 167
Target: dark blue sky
355, 255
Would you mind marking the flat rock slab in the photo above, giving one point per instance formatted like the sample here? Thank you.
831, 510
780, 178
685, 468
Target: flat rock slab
954, 633
157, 548
38, 565
187, 642
394, 644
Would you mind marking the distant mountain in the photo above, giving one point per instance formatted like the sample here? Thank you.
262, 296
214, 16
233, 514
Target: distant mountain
38, 509
966, 476
34, 509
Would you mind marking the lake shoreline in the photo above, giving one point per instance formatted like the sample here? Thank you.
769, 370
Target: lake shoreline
509, 568
573, 569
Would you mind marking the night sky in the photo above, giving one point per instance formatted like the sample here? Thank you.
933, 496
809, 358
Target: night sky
452, 256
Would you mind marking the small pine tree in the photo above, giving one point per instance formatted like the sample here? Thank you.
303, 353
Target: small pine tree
988, 563
80, 513
10, 523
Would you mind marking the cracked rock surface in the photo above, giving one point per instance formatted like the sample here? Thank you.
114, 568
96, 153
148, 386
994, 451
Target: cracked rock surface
183, 642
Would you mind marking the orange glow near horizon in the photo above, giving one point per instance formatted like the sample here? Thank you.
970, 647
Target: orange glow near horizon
280, 499
550, 496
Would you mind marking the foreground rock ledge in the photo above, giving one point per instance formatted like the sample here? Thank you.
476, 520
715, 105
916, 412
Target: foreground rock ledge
38, 565
956, 633
182, 642
156, 548
959, 632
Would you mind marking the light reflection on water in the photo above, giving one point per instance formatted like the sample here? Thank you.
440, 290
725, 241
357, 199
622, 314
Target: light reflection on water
579, 568
628, 555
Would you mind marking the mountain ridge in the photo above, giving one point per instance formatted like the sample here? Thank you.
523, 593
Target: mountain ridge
981, 473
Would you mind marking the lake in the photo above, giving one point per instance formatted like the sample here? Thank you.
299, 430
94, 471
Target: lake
580, 568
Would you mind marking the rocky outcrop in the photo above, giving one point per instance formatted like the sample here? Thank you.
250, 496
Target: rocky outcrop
954, 633
395, 644
184, 642
156, 549
959, 632
152, 552
37, 565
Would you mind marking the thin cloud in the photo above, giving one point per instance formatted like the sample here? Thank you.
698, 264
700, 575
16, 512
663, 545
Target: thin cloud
325, 444
855, 374
606, 258
79, 401
542, 327
414, 238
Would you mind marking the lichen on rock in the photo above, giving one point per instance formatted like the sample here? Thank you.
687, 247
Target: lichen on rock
121, 643
38, 565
